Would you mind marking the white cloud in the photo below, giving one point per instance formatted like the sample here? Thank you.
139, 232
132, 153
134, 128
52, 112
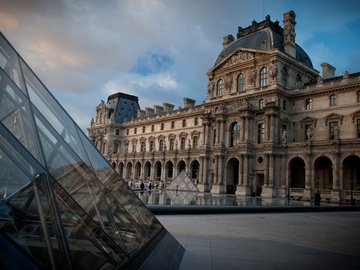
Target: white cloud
134, 83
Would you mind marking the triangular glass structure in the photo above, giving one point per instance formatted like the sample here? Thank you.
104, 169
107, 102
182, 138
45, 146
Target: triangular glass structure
61, 203
182, 182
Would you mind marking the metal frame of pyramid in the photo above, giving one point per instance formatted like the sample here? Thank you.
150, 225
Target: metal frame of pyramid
182, 182
61, 203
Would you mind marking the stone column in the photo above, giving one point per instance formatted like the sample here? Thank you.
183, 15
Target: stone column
200, 179
142, 172
336, 191
241, 170
266, 171
271, 170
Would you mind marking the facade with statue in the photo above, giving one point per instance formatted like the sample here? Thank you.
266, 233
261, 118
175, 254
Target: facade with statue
271, 125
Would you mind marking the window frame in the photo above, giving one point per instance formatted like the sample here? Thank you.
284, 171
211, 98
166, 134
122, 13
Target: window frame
264, 77
240, 82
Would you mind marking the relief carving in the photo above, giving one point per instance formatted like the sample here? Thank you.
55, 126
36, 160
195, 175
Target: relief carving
239, 57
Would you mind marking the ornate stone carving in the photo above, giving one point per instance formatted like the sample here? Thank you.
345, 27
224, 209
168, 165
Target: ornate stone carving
273, 71
252, 76
239, 57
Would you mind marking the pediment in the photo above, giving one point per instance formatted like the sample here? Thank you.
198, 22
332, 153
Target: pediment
308, 120
354, 115
241, 56
333, 117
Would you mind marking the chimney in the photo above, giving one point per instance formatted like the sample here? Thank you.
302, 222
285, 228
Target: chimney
289, 33
149, 111
188, 102
158, 109
227, 40
168, 107
328, 71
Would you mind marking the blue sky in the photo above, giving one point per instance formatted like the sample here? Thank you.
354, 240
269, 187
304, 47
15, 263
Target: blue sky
159, 50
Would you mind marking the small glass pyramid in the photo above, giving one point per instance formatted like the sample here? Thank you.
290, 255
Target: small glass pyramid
182, 182
61, 203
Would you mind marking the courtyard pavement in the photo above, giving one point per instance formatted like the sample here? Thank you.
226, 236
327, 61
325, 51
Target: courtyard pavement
306, 240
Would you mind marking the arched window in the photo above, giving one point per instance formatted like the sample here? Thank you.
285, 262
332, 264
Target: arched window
264, 76
261, 104
196, 121
219, 87
234, 134
184, 123
240, 82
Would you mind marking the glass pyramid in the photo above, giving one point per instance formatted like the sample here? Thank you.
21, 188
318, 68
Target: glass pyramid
182, 182
61, 203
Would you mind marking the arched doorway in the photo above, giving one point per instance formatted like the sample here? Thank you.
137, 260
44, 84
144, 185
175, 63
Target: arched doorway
169, 171
297, 173
158, 171
129, 171
138, 171
113, 165
194, 171
147, 171
323, 173
181, 166
351, 176
121, 169
232, 175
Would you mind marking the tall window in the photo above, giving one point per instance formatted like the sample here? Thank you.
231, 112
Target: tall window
358, 127
182, 143
264, 76
184, 123
117, 131
219, 87
308, 104
358, 96
161, 145
171, 144
195, 142
332, 100
135, 130
115, 148
152, 128
196, 121
143, 147
172, 124
234, 134
261, 104
261, 133
143, 129
240, 82
152, 146
162, 126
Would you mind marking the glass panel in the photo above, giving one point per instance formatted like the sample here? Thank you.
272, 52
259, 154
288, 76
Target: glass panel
15, 114
9, 62
52, 111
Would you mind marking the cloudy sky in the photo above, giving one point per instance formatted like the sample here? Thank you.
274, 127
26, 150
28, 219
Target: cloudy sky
158, 50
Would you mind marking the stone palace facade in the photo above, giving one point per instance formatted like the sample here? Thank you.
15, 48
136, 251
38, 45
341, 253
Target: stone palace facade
270, 125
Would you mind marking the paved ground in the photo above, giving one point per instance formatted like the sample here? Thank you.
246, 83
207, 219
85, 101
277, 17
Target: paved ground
321, 240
